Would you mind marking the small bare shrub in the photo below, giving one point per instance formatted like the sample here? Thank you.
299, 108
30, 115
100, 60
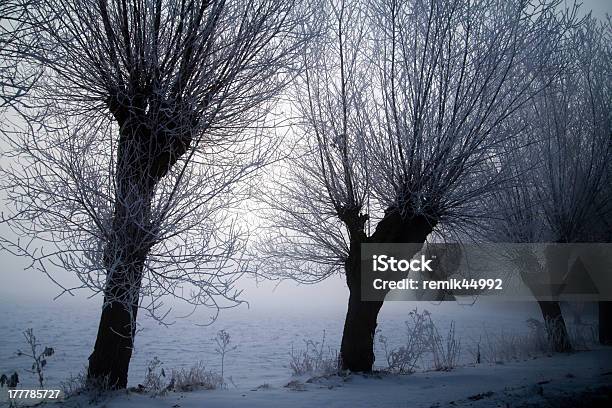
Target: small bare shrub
223, 340
513, 345
74, 384
445, 351
505, 346
196, 377
314, 359
155, 377
79, 384
405, 359
156, 382
39, 359
422, 338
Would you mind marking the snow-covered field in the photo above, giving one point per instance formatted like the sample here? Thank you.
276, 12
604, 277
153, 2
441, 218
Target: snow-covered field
582, 379
264, 339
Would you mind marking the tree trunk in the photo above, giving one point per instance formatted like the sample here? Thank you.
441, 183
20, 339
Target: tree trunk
110, 360
125, 254
557, 266
540, 280
357, 347
605, 322
144, 157
125, 258
555, 326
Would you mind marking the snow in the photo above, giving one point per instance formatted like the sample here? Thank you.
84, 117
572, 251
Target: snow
541, 381
264, 340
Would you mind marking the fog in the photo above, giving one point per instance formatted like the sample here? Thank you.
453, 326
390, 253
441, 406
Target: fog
20, 285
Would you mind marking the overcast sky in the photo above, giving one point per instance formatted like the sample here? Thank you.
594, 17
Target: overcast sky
600, 7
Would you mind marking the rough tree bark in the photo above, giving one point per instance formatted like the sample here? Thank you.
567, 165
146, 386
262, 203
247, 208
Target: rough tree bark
110, 360
555, 326
357, 347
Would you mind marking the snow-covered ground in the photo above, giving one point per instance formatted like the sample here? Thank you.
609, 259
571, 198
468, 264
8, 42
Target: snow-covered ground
579, 379
259, 367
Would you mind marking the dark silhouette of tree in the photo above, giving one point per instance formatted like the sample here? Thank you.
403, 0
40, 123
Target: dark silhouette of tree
145, 130
401, 107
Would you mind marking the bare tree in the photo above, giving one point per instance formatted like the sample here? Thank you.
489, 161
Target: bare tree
144, 133
515, 216
575, 118
402, 107
560, 191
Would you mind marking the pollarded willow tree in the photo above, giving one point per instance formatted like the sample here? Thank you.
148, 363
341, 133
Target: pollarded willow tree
560, 192
145, 130
516, 217
576, 122
401, 105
